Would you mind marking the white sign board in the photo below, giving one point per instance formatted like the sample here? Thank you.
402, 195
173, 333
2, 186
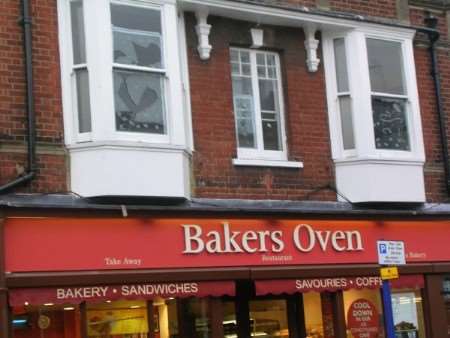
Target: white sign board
391, 252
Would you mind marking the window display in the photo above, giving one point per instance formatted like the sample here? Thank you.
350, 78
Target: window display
363, 313
118, 319
46, 321
446, 293
268, 318
314, 315
408, 314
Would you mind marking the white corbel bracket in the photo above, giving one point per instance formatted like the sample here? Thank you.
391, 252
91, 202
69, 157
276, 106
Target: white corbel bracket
311, 45
202, 28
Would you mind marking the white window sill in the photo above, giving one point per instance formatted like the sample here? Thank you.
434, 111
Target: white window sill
267, 163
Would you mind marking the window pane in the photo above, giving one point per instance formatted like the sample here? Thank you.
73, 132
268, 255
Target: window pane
268, 94
46, 321
341, 65
196, 318
314, 315
136, 36
260, 59
390, 123
234, 55
345, 108
119, 318
78, 41
245, 56
408, 314
137, 49
385, 66
136, 18
229, 319
446, 296
244, 111
268, 318
83, 100
139, 102
269, 112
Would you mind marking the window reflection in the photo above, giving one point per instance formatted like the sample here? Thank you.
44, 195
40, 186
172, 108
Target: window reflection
121, 319
268, 318
314, 314
446, 294
408, 314
46, 321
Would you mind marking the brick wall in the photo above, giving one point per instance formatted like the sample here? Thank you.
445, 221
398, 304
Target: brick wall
214, 131
213, 120
51, 160
307, 124
380, 8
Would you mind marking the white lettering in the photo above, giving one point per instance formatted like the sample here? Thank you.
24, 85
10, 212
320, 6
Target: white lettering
230, 244
338, 236
323, 241
213, 245
357, 240
311, 238
246, 237
190, 238
278, 244
262, 240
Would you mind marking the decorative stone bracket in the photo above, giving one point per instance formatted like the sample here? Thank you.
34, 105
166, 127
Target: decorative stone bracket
203, 29
311, 45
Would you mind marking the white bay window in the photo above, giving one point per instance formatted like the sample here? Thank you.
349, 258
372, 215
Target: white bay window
374, 115
123, 97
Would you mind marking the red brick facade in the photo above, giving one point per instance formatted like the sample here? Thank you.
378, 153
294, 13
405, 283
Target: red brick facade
51, 168
213, 124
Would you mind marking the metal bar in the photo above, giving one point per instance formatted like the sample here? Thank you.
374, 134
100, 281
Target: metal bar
387, 310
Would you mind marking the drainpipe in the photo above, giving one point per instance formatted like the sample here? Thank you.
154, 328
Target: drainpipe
27, 47
433, 35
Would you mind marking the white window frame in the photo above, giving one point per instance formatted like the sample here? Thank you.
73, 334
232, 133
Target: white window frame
337, 110
259, 153
361, 95
99, 63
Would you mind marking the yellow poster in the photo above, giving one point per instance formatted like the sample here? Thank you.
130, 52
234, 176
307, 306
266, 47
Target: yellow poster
116, 321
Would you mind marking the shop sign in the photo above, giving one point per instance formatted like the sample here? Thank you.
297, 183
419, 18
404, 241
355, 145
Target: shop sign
290, 286
76, 295
389, 273
391, 253
363, 319
80, 244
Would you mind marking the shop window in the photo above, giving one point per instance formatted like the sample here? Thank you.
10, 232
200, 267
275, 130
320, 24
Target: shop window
165, 318
315, 324
373, 108
133, 319
268, 318
408, 314
207, 318
229, 322
46, 321
446, 294
118, 319
363, 313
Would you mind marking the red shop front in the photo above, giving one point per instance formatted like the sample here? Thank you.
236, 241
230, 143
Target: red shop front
209, 277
